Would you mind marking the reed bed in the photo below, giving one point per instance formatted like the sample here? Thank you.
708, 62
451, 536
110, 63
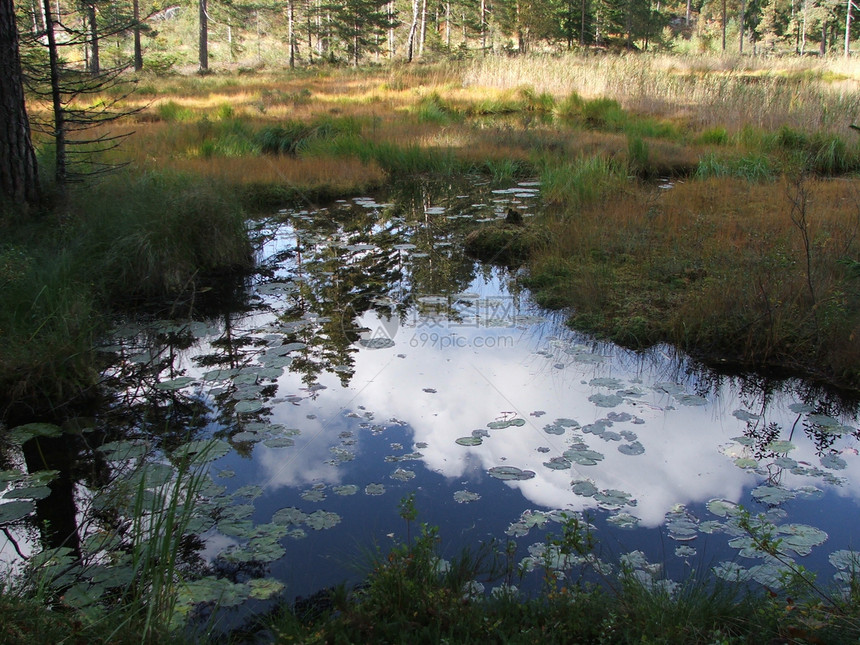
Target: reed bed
701, 91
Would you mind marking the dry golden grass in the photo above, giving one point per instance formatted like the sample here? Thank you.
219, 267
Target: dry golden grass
719, 267
703, 91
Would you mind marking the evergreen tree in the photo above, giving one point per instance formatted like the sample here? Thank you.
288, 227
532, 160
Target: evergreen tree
18, 173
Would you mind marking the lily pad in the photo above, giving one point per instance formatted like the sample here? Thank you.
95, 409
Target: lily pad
248, 407
469, 441
14, 511
264, 588
401, 474
633, 448
584, 488
624, 521
345, 490
203, 450
772, 494
465, 496
374, 489
511, 423
174, 383
22, 434
289, 516
320, 520
557, 463
510, 473
846, 560
606, 400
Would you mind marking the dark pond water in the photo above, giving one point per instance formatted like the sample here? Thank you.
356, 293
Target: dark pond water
373, 360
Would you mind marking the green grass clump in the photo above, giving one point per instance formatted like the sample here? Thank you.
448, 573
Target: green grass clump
172, 112
752, 167
162, 237
432, 109
295, 137
583, 181
543, 103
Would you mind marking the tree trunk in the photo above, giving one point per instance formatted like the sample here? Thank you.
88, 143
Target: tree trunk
423, 33
291, 35
822, 48
57, 103
742, 21
847, 28
410, 40
724, 25
95, 65
138, 51
203, 46
19, 180
583, 10
391, 13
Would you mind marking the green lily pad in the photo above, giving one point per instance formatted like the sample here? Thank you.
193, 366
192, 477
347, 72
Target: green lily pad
123, 450
203, 451
374, 489
174, 383
510, 473
248, 407
722, 507
633, 448
320, 520
289, 516
557, 463
772, 495
345, 490
279, 442
313, 495
28, 492
584, 457
606, 400
746, 463
469, 441
401, 474
584, 488
22, 434
624, 521
510, 423
846, 560
264, 588
14, 511
465, 496
731, 571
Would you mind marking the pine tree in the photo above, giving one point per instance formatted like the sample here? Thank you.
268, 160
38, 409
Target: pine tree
19, 182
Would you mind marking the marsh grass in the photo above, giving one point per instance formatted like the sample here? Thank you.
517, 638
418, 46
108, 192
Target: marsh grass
408, 597
716, 267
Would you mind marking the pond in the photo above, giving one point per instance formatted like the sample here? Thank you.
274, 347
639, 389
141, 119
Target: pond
371, 360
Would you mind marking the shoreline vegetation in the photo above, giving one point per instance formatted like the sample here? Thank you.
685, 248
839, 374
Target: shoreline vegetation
708, 202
